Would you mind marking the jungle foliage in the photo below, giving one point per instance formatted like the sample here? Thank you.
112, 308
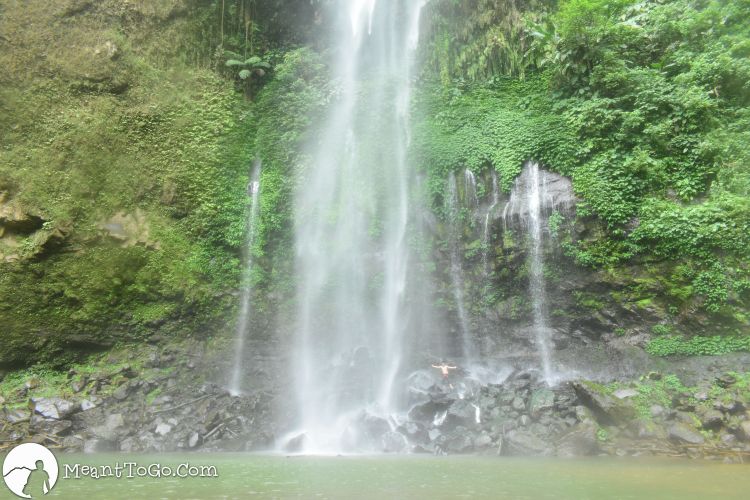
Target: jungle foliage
643, 104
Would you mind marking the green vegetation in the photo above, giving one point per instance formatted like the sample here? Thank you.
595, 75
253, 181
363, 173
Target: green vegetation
116, 141
643, 104
129, 156
696, 346
500, 125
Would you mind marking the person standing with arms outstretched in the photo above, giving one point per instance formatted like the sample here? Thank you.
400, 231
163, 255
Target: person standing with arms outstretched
445, 371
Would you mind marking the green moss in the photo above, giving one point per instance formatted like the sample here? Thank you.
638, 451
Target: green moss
587, 301
697, 346
143, 132
151, 396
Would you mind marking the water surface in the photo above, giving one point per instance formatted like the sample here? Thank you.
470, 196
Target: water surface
414, 477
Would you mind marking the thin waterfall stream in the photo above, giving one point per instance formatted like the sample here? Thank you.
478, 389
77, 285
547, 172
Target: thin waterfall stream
456, 267
530, 205
241, 332
486, 226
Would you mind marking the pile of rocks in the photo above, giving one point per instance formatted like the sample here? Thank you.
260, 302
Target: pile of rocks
162, 409
156, 410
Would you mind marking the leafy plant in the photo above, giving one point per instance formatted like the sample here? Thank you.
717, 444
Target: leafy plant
249, 71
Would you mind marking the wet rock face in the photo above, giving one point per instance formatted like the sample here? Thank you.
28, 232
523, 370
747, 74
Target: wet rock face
521, 416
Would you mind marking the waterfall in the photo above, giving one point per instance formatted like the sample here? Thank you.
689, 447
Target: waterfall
352, 210
531, 205
470, 188
486, 227
457, 273
235, 378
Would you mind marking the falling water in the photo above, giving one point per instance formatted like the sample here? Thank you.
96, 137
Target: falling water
352, 212
487, 220
457, 273
470, 189
235, 379
530, 204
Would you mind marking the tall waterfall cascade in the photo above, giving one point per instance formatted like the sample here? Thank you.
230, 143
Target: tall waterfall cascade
531, 204
241, 332
353, 210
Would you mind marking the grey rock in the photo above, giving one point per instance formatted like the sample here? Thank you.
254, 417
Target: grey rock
433, 434
426, 412
374, 427
607, 409
701, 396
394, 442
17, 415
522, 443
296, 443
56, 408
73, 443
99, 446
580, 441
415, 431
193, 440
78, 385
461, 413
725, 381
482, 441
683, 417
122, 392
712, 419
111, 429
681, 433
646, 430
745, 429
421, 382
729, 406
460, 441
163, 429
87, 405
541, 400
49, 426
130, 445
583, 414
728, 438
656, 410
625, 393
518, 404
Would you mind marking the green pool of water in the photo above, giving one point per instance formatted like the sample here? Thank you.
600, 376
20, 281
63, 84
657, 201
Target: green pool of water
408, 477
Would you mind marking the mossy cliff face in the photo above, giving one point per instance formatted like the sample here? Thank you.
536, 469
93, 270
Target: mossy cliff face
122, 171
604, 322
641, 106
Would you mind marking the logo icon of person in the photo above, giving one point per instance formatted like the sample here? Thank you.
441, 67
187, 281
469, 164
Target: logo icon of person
30, 470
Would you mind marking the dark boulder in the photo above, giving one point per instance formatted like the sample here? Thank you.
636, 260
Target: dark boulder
711, 419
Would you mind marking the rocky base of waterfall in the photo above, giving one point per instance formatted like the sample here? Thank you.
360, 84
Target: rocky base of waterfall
161, 401
156, 399
524, 417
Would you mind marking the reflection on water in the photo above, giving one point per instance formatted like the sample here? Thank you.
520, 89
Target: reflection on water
406, 477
